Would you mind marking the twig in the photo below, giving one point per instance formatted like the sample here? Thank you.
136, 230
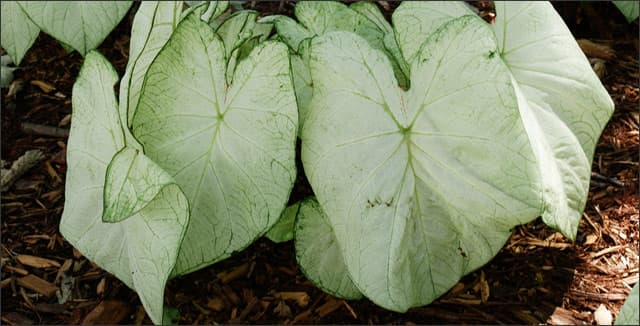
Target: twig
32, 128
353, 313
600, 296
546, 244
606, 251
601, 178
19, 167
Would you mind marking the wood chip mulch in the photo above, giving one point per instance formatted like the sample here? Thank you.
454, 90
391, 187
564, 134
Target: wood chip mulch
538, 277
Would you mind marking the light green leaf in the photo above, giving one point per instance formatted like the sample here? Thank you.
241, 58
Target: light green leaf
415, 21
18, 32
409, 180
372, 12
237, 29
318, 253
630, 9
230, 147
152, 26
630, 311
141, 250
80, 24
214, 10
289, 30
245, 49
321, 17
282, 231
209, 11
561, 100
240, 34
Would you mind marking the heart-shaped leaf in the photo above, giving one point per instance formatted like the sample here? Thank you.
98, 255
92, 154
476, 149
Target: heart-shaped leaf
81, 24
230, 147
410, 181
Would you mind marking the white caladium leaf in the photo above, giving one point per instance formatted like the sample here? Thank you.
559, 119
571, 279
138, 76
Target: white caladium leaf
152, 26
630, 311
230, 147
421, 186
318, 253
80, 24
140, 250
18, 32
561, 100
563, 104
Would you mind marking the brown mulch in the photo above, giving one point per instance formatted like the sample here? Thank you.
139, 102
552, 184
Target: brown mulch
538, 277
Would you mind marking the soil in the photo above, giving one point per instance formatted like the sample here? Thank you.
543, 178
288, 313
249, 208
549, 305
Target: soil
538, 277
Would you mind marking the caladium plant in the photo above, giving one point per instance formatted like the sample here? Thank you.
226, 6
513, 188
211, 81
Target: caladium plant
421, 182
80, 25
193, 163
425, 143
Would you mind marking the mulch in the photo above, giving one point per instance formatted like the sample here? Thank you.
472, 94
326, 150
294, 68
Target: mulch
538, 277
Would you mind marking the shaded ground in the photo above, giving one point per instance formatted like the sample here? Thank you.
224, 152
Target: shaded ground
538, 277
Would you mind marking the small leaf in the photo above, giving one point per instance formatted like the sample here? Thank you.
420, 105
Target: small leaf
282, 231
237, 29
289, 30
372, 12
240, 34
415, 21
132, 182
